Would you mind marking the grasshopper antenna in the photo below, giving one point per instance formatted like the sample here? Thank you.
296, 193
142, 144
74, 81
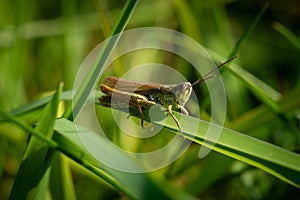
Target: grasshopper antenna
211, 76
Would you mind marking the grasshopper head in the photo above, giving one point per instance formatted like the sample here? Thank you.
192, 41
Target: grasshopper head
182, 92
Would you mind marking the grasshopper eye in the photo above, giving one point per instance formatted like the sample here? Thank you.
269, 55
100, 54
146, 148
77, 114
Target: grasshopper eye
186, 86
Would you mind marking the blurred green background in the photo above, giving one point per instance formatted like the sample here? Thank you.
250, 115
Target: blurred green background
44, 42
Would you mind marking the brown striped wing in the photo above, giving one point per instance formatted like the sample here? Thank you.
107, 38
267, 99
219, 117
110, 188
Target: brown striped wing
132, 86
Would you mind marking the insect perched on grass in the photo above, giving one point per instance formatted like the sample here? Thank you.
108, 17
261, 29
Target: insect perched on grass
142, 95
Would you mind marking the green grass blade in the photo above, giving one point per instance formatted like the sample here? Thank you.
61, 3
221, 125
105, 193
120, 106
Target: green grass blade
135, 185
279, 162
26, 128
187, 20
61, 182
37, 156
41, 191
288, 104
91, 79
71, 148
64, 145
248, 31
39, 103
288, 34
76, 153
263, 91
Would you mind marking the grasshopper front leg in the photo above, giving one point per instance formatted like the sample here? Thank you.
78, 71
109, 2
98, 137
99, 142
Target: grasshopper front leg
182, 109
175, 119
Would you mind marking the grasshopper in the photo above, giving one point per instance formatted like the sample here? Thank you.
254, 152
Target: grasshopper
143, 95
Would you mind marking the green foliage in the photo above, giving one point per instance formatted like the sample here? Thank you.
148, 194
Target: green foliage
256, 154
31, 172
